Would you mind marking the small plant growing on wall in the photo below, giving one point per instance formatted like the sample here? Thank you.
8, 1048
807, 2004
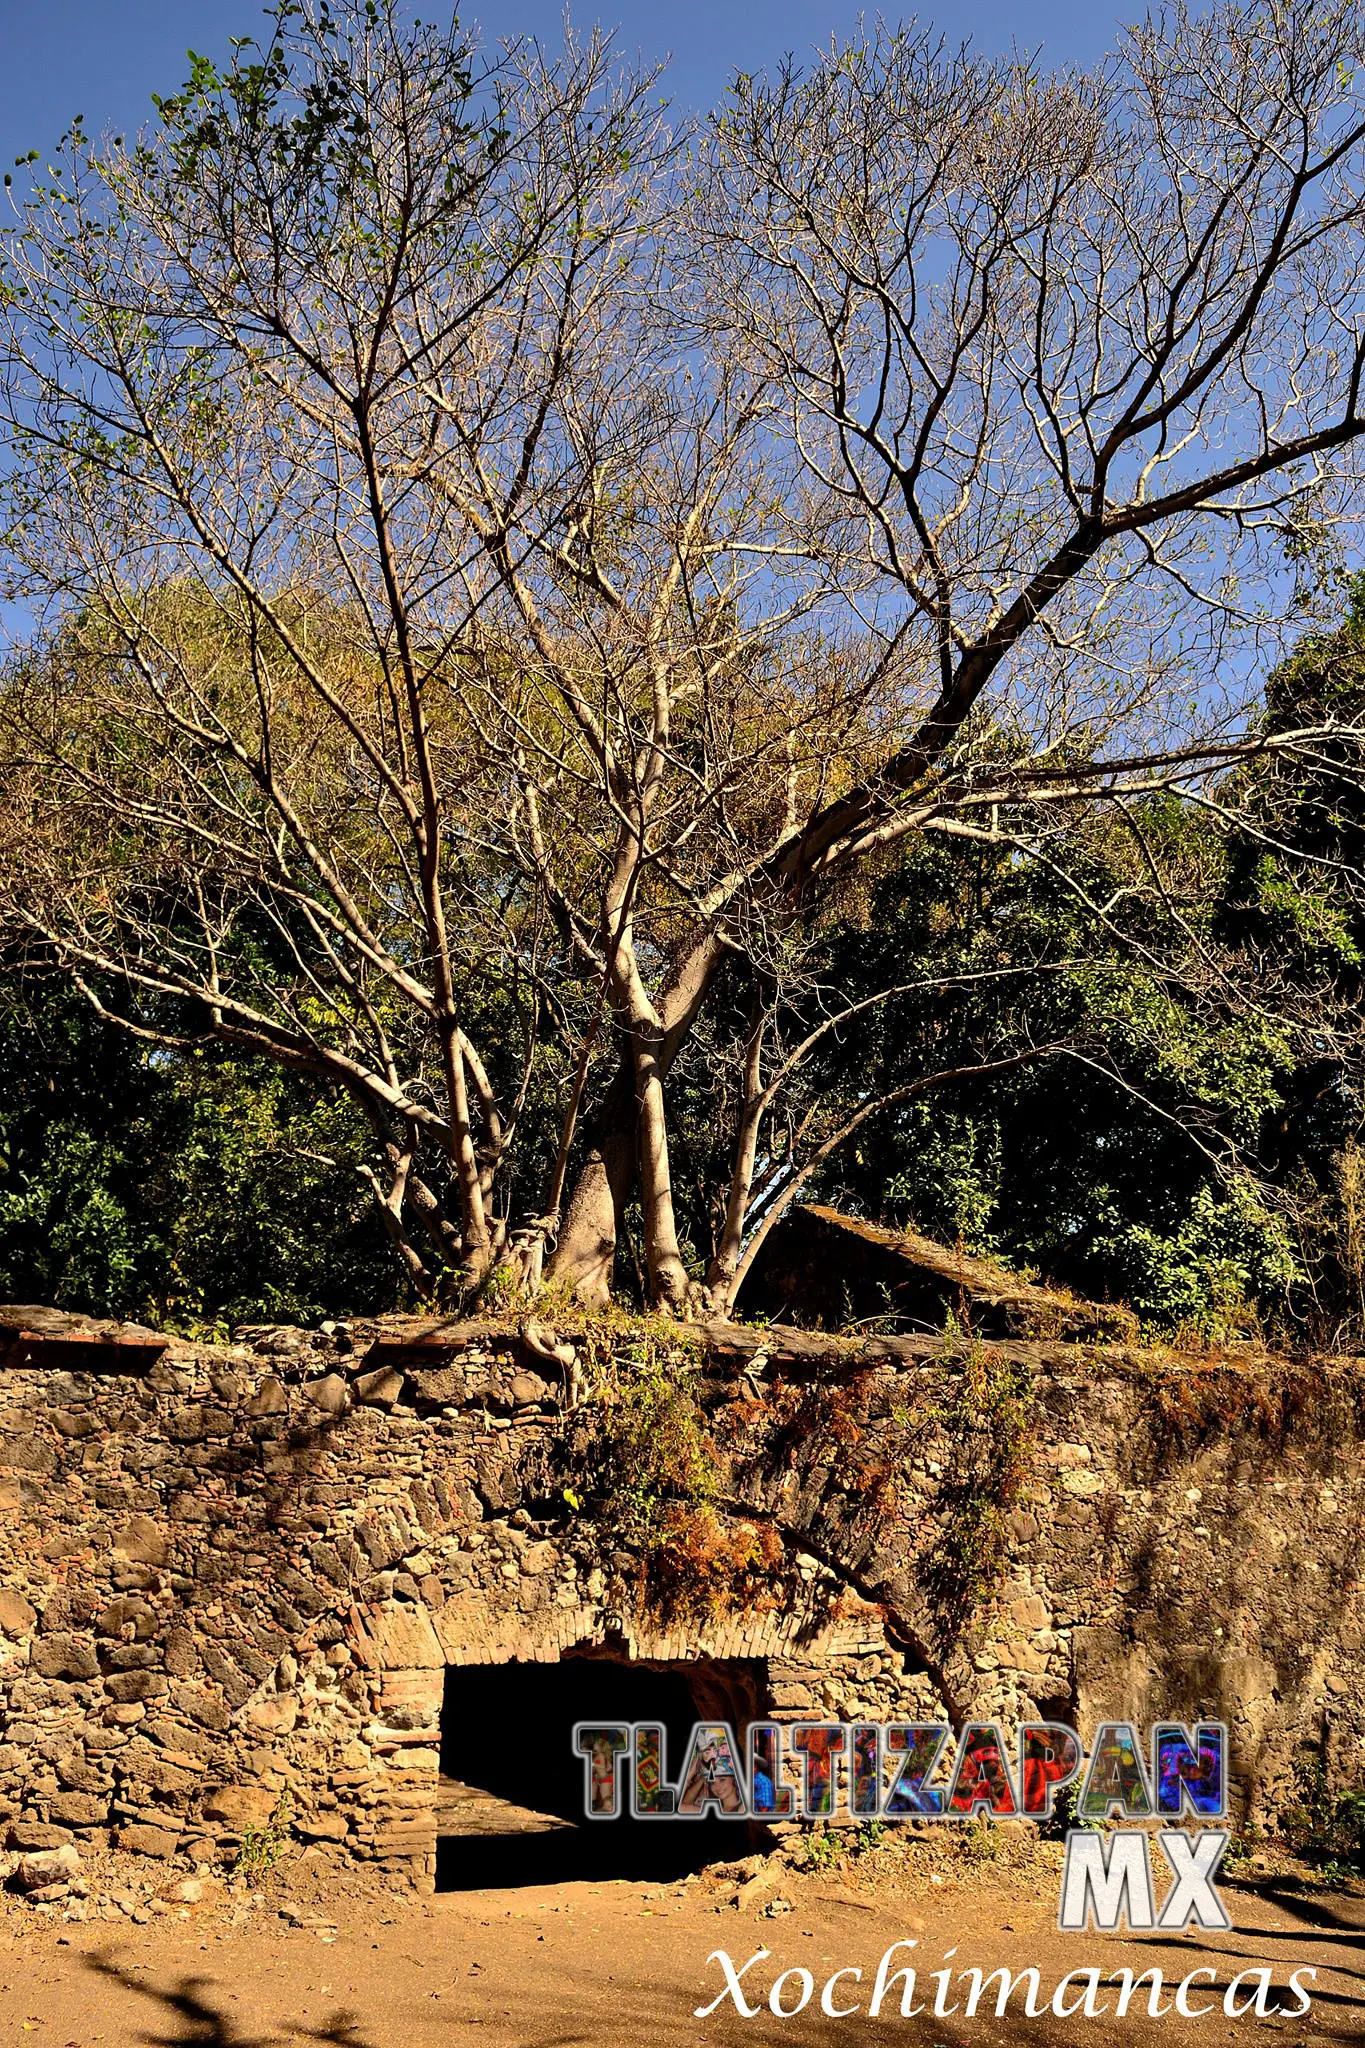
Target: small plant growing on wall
1325, 1828
988, 1423
659, 1452
653, 1488
261, 1847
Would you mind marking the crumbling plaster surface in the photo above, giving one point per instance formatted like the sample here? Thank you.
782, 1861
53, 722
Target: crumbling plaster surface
240, 1572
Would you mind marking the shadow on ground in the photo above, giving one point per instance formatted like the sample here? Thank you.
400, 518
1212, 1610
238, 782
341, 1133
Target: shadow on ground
201, 2023
617, 1978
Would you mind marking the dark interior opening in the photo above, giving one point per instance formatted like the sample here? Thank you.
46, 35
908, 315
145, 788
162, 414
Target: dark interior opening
512, 1786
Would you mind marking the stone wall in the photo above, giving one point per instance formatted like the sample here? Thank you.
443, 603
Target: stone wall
228, 1575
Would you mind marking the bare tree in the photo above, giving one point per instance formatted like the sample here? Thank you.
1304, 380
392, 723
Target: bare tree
1072, 366
297, 391
427, 640
509, 565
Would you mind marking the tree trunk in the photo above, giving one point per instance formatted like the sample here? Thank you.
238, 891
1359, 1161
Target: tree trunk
478, 1246
585, 1256
722, 1281
668, 1283
586, 1253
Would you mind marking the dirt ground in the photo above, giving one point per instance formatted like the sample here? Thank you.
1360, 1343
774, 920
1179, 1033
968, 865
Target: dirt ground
625, 1964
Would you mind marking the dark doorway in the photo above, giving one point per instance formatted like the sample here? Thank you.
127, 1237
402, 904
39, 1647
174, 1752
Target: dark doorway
512, 1787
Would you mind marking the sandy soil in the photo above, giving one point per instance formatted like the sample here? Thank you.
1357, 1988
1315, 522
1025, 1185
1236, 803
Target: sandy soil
626, 1963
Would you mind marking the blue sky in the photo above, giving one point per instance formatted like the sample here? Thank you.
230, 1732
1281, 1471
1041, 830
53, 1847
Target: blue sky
103, 58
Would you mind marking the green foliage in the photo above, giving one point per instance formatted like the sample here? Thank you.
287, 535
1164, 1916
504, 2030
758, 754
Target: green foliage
651, 1484
1067, 1816
307, 134
190, 1190
1204, 1273
1324, 1828
988, 1421
656, 1452
979, 1841
1158, 1156
1295, 900
1112, 1036
261, 1847
822, 1850
1193, 1148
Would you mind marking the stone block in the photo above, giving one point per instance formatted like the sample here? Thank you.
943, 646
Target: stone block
276, 1714
26, 1452
125, 1611
330, 1395
201, 1706
79, 1809
381, 1388
64, 1656
322, 1827
159, 1774
268, 1399
1030, 1611
240, 1806
133, 1657
126, 1686
1028, 1658
141, 1542
76, 1775
75, 1423
395, 1639
47, 1867
181, 1657
133, 1578
16, 1616
141, 1839
35, 1834
441, 1386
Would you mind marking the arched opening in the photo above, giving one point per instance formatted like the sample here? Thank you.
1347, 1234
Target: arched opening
512, 1787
